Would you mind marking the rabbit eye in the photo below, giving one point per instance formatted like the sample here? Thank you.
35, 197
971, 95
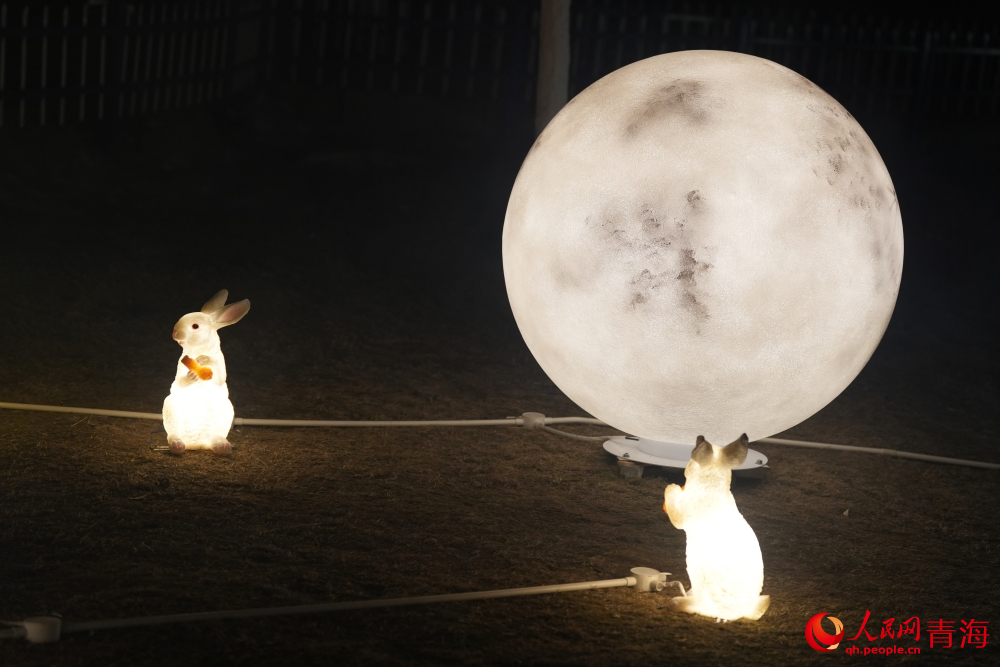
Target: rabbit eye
194, 326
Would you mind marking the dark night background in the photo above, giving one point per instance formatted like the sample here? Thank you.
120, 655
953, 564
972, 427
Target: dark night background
358, 200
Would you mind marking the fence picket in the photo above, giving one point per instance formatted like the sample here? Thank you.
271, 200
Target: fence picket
3, 60
24, 66
42, 79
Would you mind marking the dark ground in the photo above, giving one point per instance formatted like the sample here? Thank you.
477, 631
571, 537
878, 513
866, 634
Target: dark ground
367, 235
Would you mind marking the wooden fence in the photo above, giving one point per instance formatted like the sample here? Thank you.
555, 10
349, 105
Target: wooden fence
488, 48
102, 59
109, 59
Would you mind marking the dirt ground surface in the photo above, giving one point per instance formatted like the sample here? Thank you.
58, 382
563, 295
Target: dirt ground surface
366, 233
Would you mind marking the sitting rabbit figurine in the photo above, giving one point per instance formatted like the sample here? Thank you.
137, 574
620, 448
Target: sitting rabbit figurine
723, 555
197, 414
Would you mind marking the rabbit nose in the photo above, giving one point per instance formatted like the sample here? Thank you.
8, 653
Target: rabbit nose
175, 335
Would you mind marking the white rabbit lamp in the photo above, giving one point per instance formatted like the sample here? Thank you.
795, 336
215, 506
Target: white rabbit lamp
724, 562
198, 414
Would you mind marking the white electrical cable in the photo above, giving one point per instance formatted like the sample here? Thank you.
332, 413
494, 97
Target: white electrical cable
51, 628
82, 411
344, 606
587, 438
509, 421
242, 421
529, 420
884, 452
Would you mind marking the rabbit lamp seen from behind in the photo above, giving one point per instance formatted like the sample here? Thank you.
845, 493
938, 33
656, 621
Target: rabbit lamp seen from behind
724, 562
198, 414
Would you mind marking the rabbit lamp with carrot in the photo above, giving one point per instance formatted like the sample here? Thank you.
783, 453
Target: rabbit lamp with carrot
198, 414
724, 562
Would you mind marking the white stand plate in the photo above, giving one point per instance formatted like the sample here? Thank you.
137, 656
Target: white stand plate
667, 454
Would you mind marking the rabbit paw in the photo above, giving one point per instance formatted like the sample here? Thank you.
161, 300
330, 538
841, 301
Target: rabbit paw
177, 447
672, 499
204, 360
684, 603
222, 447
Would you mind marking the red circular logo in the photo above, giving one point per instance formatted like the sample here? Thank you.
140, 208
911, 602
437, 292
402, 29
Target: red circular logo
816, 636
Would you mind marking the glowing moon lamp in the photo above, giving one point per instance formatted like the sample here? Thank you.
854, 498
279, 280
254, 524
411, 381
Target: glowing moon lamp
702, 242
198, 413
724, 563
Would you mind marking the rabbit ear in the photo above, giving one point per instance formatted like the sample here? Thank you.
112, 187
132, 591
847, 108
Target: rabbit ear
216, 302
231, 314
703, 452
735, 453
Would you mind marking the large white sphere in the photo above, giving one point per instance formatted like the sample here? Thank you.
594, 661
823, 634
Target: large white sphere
703, 243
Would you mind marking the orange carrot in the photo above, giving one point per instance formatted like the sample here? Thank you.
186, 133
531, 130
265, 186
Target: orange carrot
203, 372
